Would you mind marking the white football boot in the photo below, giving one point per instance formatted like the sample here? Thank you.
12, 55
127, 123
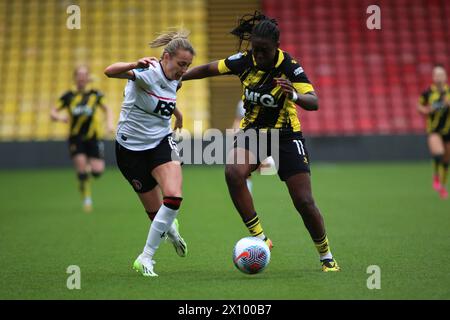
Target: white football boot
178, 242
144, 266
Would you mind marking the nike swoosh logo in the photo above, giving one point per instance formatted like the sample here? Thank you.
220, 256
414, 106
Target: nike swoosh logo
244, 254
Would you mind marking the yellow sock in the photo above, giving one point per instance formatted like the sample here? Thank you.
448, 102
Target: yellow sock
254, 226
323, 247
87, 189
85, 185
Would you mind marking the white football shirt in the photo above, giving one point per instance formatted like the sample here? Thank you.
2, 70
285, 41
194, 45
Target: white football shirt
149, 101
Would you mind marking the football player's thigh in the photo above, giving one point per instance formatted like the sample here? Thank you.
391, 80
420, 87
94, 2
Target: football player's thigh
447, 151
97, 165
241, 156
242, 161
80, 162
435, 143
169, 178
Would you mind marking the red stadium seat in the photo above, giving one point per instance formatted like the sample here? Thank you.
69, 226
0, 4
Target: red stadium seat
367, 81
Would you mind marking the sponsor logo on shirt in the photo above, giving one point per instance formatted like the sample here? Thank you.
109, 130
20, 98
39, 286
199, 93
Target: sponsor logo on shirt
298, 71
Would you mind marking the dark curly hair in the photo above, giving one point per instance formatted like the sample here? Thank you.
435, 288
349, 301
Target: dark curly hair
256, 25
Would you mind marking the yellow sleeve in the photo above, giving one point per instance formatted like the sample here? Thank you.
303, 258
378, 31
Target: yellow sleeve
424, 97
422, 100
62, 102
303, 87
223, 67
102, 100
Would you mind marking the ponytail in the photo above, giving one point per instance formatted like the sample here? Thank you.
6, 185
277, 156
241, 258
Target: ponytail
172, 41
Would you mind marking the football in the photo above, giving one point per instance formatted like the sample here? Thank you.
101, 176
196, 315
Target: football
251, 255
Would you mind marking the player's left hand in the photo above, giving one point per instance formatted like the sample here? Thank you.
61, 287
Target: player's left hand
286, 86
178, 123
177, 128
447, 101
110, 129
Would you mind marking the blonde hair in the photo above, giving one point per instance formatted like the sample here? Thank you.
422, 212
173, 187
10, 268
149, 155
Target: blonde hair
173, 40
79, 67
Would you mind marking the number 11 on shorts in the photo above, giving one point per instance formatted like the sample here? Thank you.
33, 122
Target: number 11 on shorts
300, 148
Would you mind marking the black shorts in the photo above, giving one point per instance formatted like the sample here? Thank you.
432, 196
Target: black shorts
292, 157
136, 166
446, 137
92, 148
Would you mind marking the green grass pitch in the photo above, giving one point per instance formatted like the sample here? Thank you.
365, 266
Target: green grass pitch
376, 214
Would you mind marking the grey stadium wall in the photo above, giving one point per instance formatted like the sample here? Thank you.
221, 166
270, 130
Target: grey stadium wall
50, 154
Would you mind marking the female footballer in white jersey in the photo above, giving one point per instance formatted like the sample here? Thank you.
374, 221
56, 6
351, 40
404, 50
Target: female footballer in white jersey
146, 154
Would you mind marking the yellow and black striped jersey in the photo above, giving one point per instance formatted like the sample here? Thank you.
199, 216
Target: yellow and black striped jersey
82, 108
439, 119
265, 104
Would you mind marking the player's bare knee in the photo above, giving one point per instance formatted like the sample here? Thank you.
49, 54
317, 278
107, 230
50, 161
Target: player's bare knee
82, 176
172, 192
305, 205
97, 174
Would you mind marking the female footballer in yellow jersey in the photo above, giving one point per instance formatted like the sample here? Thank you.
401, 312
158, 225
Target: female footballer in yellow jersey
434, 103
85, 137
273, 82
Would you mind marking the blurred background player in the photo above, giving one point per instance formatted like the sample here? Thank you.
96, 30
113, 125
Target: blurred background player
85, 133
267, 71
267, 166
146, 153
434, 103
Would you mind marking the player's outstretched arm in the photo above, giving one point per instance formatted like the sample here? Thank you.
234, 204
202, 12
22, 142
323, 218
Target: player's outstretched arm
122, 70
425, 110
308, 101
178, 119
56, 116
109, 118
204, 71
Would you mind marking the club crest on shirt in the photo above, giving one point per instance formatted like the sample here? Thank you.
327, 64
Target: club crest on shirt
136, 184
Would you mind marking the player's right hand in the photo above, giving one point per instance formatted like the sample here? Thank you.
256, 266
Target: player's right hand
63, 118
429, 110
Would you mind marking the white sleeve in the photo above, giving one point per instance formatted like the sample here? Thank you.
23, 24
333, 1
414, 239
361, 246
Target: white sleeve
143, 78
